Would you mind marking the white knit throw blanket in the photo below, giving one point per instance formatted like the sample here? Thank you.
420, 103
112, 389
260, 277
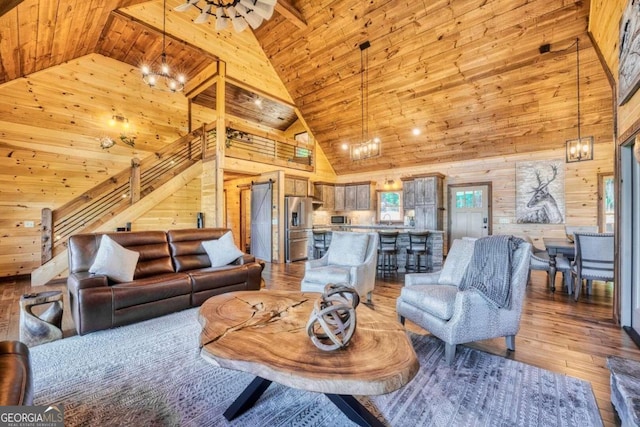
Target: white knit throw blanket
489, 271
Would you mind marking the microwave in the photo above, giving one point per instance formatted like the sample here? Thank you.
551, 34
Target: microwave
338, 219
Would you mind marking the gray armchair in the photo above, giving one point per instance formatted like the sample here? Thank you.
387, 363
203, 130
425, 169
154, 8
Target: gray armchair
350, 260
594, 259
434, 301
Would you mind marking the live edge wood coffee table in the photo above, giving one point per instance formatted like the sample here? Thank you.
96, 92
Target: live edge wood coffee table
264, 333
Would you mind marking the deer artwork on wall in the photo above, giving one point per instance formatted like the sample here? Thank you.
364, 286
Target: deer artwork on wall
542, 208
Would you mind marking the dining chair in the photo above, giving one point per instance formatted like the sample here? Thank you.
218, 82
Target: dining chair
594, 259
540, 262
570, 230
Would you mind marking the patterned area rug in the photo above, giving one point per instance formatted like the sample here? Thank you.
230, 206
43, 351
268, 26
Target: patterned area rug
151, 374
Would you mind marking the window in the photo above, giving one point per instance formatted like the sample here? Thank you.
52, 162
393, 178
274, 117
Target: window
469, 199
390, 206
606, 211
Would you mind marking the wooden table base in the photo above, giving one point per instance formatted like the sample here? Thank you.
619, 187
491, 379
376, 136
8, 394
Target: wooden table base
349, 405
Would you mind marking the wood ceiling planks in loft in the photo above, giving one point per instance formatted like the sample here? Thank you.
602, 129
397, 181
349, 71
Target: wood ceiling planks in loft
37, 34
128, 40
242, 103
469, 74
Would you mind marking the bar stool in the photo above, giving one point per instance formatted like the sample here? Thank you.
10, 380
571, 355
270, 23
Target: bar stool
388, 252
320, 245
417, 248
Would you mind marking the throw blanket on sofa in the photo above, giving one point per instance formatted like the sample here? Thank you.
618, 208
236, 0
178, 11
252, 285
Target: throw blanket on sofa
489, 271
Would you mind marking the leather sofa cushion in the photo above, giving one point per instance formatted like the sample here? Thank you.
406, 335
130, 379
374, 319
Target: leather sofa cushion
218, 277
16, 381
150, 289
437, 300
186, 247
153, 249
151, 245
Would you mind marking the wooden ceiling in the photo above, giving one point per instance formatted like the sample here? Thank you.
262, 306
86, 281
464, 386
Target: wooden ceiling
250, 106
467, 73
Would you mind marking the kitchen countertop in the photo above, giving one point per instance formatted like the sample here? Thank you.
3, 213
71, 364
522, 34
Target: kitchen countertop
385, 227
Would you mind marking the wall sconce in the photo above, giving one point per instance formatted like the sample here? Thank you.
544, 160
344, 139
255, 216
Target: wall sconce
389, 184
122, 122
580, 149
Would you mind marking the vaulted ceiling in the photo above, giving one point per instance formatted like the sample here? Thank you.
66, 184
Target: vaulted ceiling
469, 74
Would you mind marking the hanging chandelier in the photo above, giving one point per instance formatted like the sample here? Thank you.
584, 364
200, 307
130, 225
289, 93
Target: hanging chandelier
366, 148
163, 78
241, 13
579, 149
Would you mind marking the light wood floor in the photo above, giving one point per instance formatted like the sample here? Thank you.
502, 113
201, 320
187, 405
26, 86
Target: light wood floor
556, 333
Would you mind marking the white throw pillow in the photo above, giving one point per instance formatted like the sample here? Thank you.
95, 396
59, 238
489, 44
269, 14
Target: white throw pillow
114, 261
348, 249
222, 251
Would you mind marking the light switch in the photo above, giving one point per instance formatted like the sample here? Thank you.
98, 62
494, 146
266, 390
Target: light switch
29, 224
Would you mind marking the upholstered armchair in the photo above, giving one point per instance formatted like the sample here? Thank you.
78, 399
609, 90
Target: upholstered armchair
350, 259
435, 302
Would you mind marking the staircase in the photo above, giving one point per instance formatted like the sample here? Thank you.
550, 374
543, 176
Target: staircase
122, 198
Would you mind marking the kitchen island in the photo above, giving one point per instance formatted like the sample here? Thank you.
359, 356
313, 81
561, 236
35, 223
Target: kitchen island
434, 242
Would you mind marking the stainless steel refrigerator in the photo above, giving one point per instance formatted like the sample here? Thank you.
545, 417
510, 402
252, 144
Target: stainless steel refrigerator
298, 216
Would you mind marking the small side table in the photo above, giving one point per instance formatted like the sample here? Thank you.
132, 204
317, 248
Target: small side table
39, 329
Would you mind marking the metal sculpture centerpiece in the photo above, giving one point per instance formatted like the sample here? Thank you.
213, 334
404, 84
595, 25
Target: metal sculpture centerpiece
333, 319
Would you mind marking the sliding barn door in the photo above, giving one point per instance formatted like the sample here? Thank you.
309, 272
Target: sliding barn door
261, 202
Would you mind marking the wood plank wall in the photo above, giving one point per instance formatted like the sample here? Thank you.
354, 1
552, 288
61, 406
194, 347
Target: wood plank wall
50, 123
604, 24
581, 187
176, 211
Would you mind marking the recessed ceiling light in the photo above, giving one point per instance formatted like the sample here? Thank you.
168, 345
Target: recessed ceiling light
258, 102
345, 146
416, 131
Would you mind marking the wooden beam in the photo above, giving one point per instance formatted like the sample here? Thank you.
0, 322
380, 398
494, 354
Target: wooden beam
7, 5
287, 10
201, 82
221, 137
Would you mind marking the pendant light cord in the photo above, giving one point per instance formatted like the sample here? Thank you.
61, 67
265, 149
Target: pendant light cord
362, 137
578, 85
164, 26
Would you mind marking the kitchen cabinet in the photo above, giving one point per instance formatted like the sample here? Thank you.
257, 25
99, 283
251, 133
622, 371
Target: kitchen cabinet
338, 198
350, 197
363, 197
408, 194
359, 197
295, 187
326, 193
428, 201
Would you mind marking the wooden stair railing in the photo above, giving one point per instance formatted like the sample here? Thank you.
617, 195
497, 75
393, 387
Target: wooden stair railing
88, 211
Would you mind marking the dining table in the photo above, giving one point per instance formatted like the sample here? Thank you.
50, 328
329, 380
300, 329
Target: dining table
557, 246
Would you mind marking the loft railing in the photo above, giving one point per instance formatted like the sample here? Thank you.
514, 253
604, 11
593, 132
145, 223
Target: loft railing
267, 147
91, 209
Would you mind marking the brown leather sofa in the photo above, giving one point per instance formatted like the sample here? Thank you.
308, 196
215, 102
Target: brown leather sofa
16, 382
173, 273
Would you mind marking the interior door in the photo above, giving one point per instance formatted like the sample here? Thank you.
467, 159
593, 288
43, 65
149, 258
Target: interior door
631, 236
469, 211
261, 201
